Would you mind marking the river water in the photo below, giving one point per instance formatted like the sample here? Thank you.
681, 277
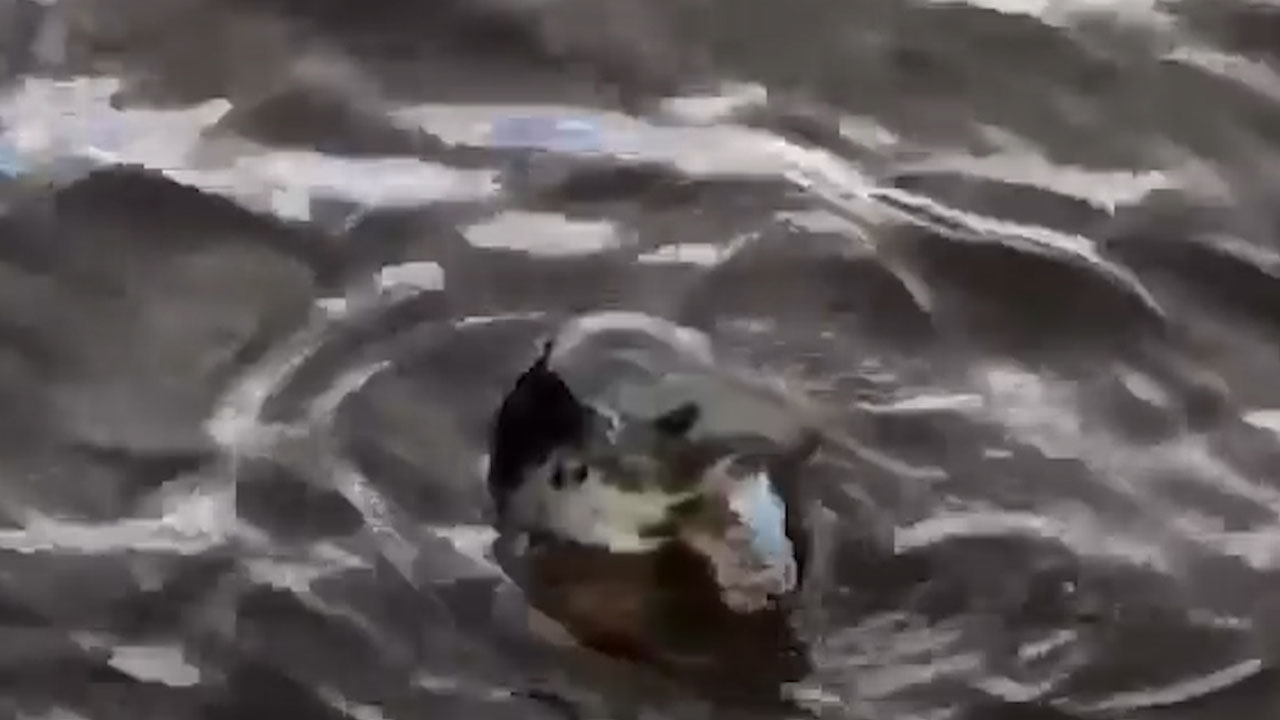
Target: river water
267, 266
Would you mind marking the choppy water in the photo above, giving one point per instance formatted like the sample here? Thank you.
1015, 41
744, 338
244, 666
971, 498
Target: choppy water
1025, 248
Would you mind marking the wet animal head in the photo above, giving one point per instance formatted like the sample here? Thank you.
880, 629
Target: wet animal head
563, 468
539, 419
641, 528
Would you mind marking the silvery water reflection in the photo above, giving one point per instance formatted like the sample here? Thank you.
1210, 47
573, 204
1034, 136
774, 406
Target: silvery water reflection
1021, 252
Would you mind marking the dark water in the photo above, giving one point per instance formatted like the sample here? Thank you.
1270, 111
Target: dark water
1025, 248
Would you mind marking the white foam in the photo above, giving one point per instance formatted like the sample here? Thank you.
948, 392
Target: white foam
1268, 419
1079, 533
422, 275
355, 710
49, 120
165, 664
928, 403
471, 541
707, 109
695, 150
194, 524
236, 422
1181, 691
545, 234
701, 254
1057, 11
1105, 189
380, 182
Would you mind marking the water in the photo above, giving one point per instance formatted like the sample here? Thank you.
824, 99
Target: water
1023, 250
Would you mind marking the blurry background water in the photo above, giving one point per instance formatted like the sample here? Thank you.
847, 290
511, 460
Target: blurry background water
266, 267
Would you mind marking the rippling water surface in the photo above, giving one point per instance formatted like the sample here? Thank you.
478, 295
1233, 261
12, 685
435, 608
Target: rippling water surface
266, 267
